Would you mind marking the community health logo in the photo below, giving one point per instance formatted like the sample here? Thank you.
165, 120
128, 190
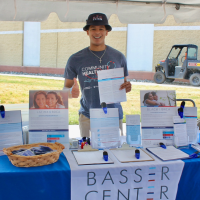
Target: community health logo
91, 72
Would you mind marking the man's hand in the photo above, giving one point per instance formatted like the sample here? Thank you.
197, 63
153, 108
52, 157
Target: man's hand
126, 85
75, 89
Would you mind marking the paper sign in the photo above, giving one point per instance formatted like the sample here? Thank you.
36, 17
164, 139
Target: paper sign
190, 115
109, 82
10, 130
48, 116
104, 128
157, 110
180, 131
133, 135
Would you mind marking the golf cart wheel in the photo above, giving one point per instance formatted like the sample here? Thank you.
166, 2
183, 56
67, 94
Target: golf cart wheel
195, 79
169, 80
159, 77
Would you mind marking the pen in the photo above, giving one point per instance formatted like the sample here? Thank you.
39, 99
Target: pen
182, 104
105, 155
137, 153
88, 141
162, 145
104, 106
180, 110
194, 155
2, 110
83, 143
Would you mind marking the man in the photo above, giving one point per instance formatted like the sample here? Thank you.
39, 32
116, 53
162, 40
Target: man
85, 65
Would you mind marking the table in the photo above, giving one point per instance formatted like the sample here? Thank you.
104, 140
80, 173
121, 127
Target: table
52, 182
188, 188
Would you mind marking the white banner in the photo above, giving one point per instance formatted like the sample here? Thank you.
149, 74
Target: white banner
151, 180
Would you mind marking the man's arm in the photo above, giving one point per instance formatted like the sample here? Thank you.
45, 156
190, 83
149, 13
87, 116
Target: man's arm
126, 85
75, 88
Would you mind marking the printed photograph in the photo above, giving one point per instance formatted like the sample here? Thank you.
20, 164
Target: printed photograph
157, 98
48, 99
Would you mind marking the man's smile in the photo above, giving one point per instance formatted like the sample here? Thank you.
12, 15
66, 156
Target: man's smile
97, 37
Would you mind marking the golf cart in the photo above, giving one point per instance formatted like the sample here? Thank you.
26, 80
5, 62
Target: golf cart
181, 63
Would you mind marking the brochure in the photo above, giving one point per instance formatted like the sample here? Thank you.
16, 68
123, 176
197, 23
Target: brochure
157, 110
48, 116
10, 130
104, 128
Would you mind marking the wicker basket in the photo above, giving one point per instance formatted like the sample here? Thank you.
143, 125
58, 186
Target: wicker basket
34, 161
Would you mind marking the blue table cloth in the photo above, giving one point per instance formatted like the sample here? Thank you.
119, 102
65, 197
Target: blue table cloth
52, 182
189, 185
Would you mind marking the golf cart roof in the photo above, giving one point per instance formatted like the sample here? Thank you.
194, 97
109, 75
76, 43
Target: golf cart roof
185, 45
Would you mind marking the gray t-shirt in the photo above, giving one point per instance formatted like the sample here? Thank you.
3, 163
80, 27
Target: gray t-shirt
85, 65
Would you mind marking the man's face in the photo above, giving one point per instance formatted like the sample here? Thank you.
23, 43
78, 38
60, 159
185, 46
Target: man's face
97, 34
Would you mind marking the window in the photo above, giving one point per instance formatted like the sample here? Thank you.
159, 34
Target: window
192, 53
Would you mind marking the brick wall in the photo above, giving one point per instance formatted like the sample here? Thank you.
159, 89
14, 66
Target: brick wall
56, 48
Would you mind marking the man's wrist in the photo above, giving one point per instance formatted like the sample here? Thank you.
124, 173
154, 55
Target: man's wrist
69, 91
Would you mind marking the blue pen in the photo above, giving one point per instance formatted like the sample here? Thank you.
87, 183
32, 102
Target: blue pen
162, 145
194, 155
180, 110
137, 153
104, 106
2, 110
105, 155
182, 104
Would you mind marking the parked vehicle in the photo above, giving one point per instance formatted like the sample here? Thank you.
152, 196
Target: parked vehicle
181, 63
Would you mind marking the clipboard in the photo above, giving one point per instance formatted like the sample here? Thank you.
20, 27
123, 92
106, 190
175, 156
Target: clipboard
170, 153
89, 156
126, 154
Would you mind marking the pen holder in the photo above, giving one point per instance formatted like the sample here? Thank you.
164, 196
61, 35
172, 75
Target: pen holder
177, 143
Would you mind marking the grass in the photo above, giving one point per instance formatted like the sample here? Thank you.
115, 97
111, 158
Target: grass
15, 90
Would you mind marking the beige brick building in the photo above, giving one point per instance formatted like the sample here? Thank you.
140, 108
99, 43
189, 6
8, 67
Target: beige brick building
58, 40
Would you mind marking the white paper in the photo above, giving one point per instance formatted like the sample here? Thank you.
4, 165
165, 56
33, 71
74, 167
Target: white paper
109, 82
180, 131
104, 128
196, 146
10, 130
133, 135
35, 137
48, 123
170, 153
190, 114
91, 158
129, 156
157, 118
